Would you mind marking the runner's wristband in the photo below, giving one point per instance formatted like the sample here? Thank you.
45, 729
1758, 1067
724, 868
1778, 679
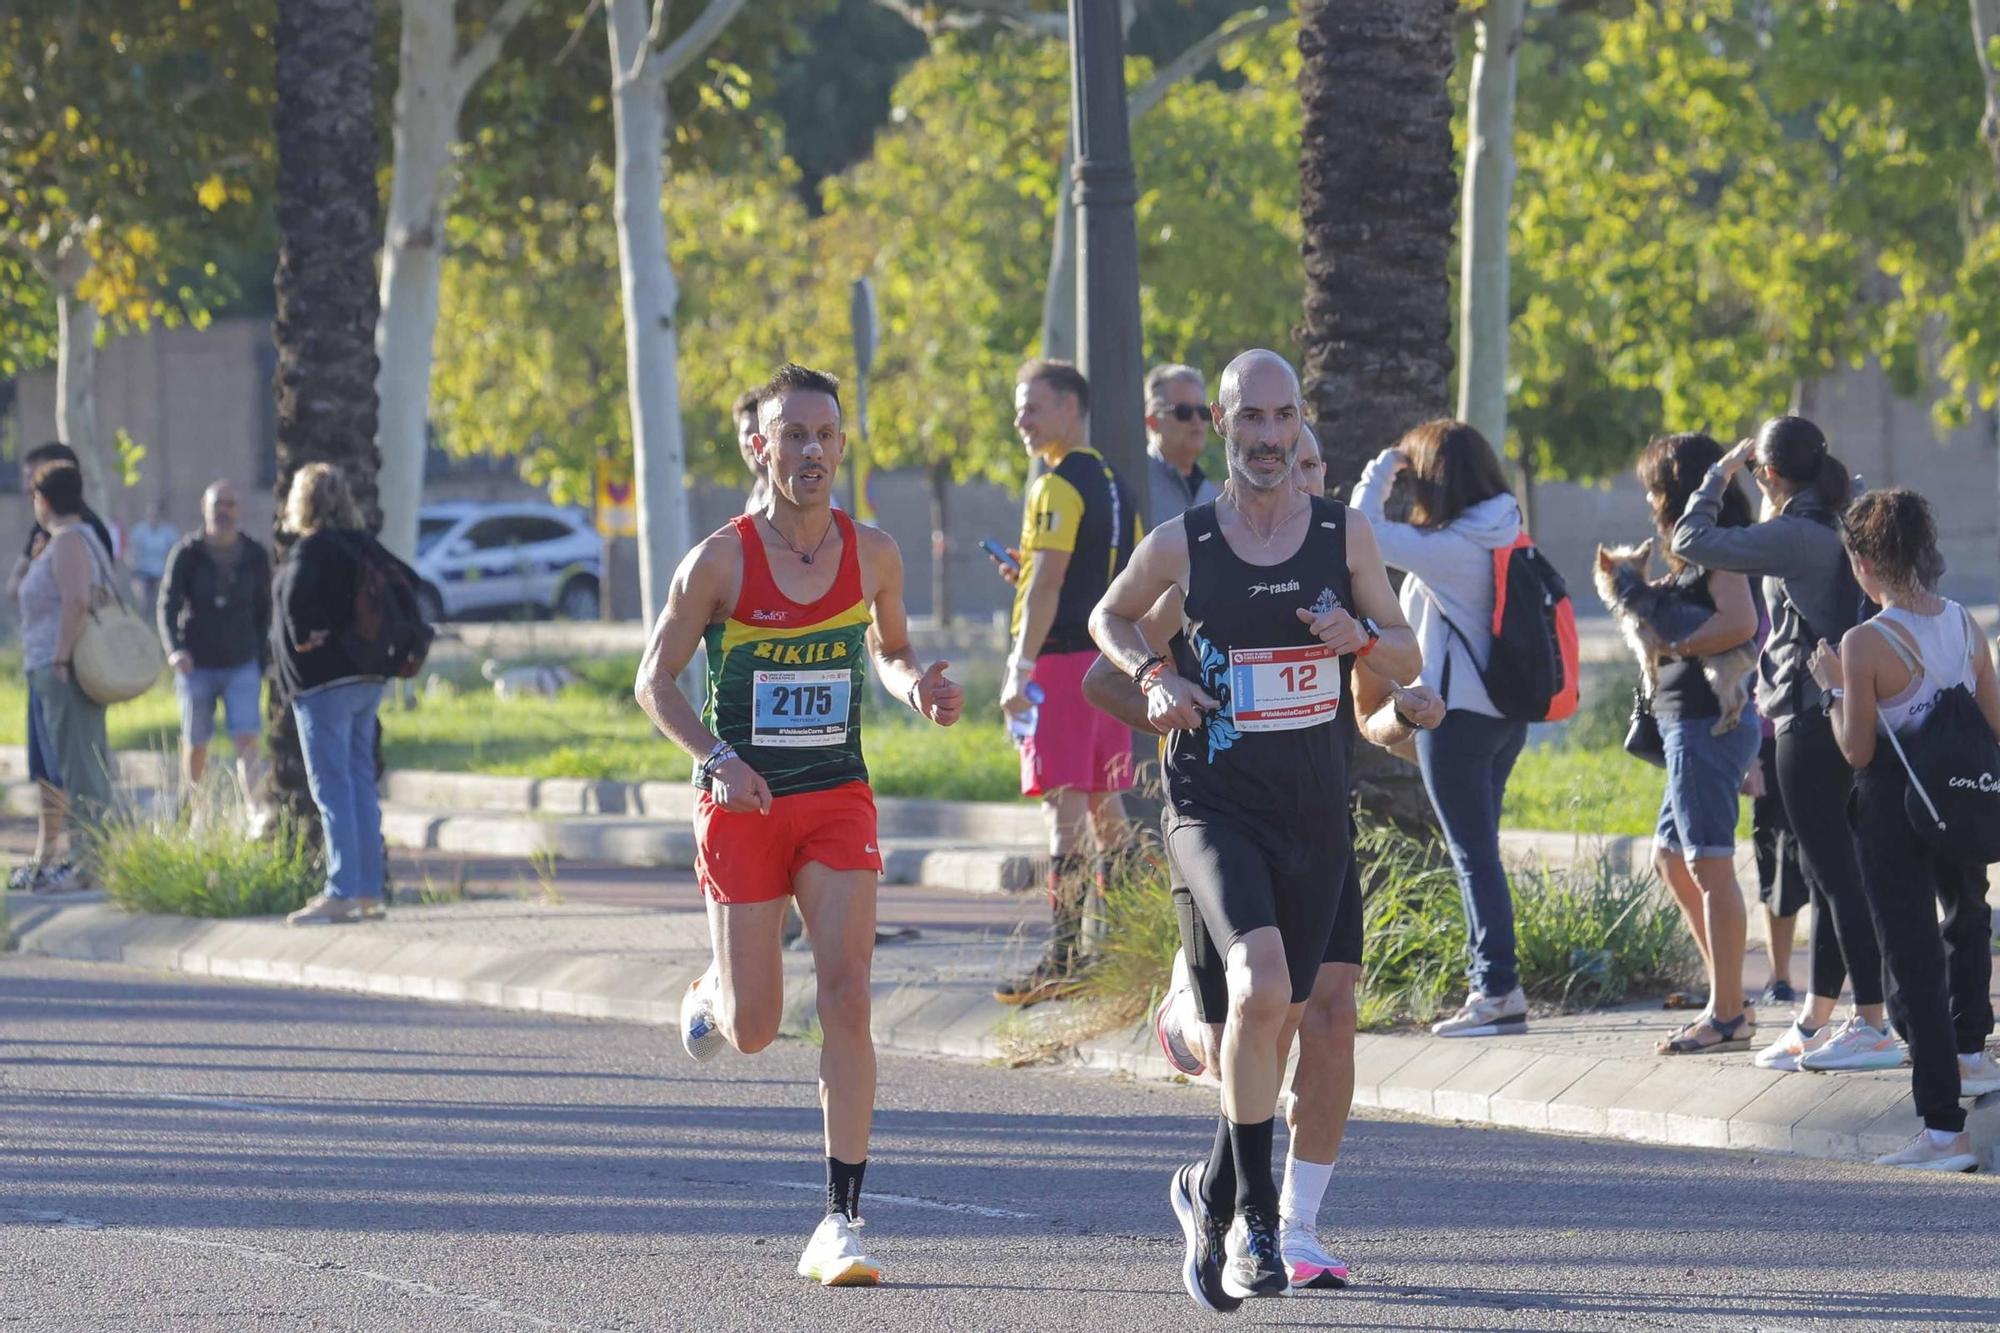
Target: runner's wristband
910, 696
720, 755
1147, 668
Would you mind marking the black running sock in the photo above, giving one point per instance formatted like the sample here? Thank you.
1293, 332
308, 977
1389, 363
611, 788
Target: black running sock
1218, 1178
1255, 1187
843, 1186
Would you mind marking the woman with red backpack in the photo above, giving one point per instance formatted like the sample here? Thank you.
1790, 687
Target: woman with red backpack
1461, 512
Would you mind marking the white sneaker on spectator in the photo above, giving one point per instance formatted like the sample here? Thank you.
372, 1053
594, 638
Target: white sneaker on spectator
323, 909
1978, 1075
1486, 1016
1784, 1053
1934, 1151
1858, 1045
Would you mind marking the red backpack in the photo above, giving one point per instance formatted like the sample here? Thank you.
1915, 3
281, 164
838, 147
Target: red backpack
1534, 670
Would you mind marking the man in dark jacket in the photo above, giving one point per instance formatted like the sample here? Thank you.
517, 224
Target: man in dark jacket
215, 620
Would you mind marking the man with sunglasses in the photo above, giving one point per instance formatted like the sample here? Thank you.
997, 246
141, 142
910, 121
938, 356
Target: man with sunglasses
1176, 429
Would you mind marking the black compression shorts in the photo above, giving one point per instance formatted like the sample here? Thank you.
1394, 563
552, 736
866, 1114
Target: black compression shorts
1238, 880
1205, 963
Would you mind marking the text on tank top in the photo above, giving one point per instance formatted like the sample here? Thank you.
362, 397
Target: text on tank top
785, 679
1279, 741
1943, 659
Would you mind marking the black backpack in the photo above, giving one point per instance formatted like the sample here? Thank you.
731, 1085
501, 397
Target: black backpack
1533, 672
1954, 765
387, 634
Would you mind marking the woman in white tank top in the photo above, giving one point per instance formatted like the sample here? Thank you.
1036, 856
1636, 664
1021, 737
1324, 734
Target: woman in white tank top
1886, 677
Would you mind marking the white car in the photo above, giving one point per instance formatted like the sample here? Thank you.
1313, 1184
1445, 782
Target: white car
480, 559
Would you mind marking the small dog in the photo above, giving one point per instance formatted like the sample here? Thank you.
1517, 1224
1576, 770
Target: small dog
1653, 615
522, 681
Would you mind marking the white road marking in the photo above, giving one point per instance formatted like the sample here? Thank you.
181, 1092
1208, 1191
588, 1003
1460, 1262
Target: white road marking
410, 1286
905, 1201
226, 1103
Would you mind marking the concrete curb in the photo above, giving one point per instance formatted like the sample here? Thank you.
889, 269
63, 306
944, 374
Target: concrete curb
1515, 1083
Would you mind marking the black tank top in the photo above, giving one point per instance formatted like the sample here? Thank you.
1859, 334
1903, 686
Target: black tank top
1279, 745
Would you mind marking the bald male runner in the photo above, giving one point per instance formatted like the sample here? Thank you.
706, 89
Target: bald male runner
1252, 699
1189, 1018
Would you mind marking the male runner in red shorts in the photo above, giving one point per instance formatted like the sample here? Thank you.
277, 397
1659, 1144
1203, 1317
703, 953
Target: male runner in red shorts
791, 600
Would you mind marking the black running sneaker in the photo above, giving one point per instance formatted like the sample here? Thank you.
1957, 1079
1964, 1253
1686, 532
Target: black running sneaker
1201, 1272
1253, 1264
1057, 976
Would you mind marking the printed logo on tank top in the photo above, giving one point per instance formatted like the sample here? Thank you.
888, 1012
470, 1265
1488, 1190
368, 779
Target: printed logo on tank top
1258, 589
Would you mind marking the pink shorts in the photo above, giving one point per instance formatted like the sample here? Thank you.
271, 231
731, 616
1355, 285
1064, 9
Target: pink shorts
1074, 745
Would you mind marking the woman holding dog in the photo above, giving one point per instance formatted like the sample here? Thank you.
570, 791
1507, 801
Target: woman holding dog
1711, 736
1812, 595
1888, 676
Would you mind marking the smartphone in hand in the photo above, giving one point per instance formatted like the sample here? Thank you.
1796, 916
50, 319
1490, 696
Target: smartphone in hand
999, 554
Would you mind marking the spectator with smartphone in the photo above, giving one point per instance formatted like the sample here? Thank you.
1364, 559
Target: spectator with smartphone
1078, 528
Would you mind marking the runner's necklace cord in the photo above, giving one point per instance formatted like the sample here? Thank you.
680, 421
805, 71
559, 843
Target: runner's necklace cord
1229, 493
806, 556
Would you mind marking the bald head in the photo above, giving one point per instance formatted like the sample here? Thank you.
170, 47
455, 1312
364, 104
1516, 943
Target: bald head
1257, 410
1308, 466
1270, 373
221, 512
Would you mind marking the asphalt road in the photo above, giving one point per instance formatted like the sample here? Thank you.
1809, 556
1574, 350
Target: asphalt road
181, 1154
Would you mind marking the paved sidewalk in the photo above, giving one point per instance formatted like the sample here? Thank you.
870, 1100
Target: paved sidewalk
624, 945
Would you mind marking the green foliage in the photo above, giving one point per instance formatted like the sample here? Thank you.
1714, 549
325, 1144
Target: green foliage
131, 454
1588, 937
191, 857
129, 144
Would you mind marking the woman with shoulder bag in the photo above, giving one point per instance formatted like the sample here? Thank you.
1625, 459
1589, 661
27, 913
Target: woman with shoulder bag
1889, 674
56, 594
1807, 583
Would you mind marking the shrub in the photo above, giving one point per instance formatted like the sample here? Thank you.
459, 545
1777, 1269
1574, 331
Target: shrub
1587, 937
193, 857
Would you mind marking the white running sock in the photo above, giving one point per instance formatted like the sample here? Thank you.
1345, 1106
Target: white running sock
1940, 1138
1305, 1186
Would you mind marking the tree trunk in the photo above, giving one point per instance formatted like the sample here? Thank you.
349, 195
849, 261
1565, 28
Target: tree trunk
650, 295
76, 392
1377, 187
1059, 292
1985, 28
426, 123
1488, 204
324, 119
940, 479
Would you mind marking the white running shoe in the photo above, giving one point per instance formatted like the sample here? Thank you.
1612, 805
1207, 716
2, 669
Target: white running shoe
1783, 1054
1858, 1045
1978, 1075
701, 1035
1307, 1263
1169, 1027
834, 1257
1486, 1016
1924, 1153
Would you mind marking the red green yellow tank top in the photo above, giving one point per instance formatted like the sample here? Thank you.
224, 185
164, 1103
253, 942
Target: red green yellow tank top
785, 679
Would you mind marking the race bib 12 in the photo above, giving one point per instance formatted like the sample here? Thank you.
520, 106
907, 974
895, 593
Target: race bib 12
1283, 689
800, 709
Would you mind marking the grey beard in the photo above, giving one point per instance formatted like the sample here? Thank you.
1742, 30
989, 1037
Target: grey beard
1240, 473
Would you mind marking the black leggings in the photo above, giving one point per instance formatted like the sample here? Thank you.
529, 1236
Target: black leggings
1814, 779
1938, 986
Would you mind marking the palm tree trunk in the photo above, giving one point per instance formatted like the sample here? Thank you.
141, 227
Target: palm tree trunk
1378, 194
328, 231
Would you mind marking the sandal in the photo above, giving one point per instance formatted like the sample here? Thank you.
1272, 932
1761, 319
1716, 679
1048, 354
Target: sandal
1733, 1035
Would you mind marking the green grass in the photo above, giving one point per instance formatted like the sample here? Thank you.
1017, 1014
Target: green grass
1585, 938
192, 859
594, 730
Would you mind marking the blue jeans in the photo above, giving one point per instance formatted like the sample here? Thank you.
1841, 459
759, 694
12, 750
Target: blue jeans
240, 691
337, 735
1704, 785
1466, 762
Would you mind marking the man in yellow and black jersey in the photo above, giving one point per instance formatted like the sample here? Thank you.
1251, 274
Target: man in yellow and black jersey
1078, 528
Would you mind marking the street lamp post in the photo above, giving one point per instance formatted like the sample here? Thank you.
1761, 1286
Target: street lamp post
1106, 188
